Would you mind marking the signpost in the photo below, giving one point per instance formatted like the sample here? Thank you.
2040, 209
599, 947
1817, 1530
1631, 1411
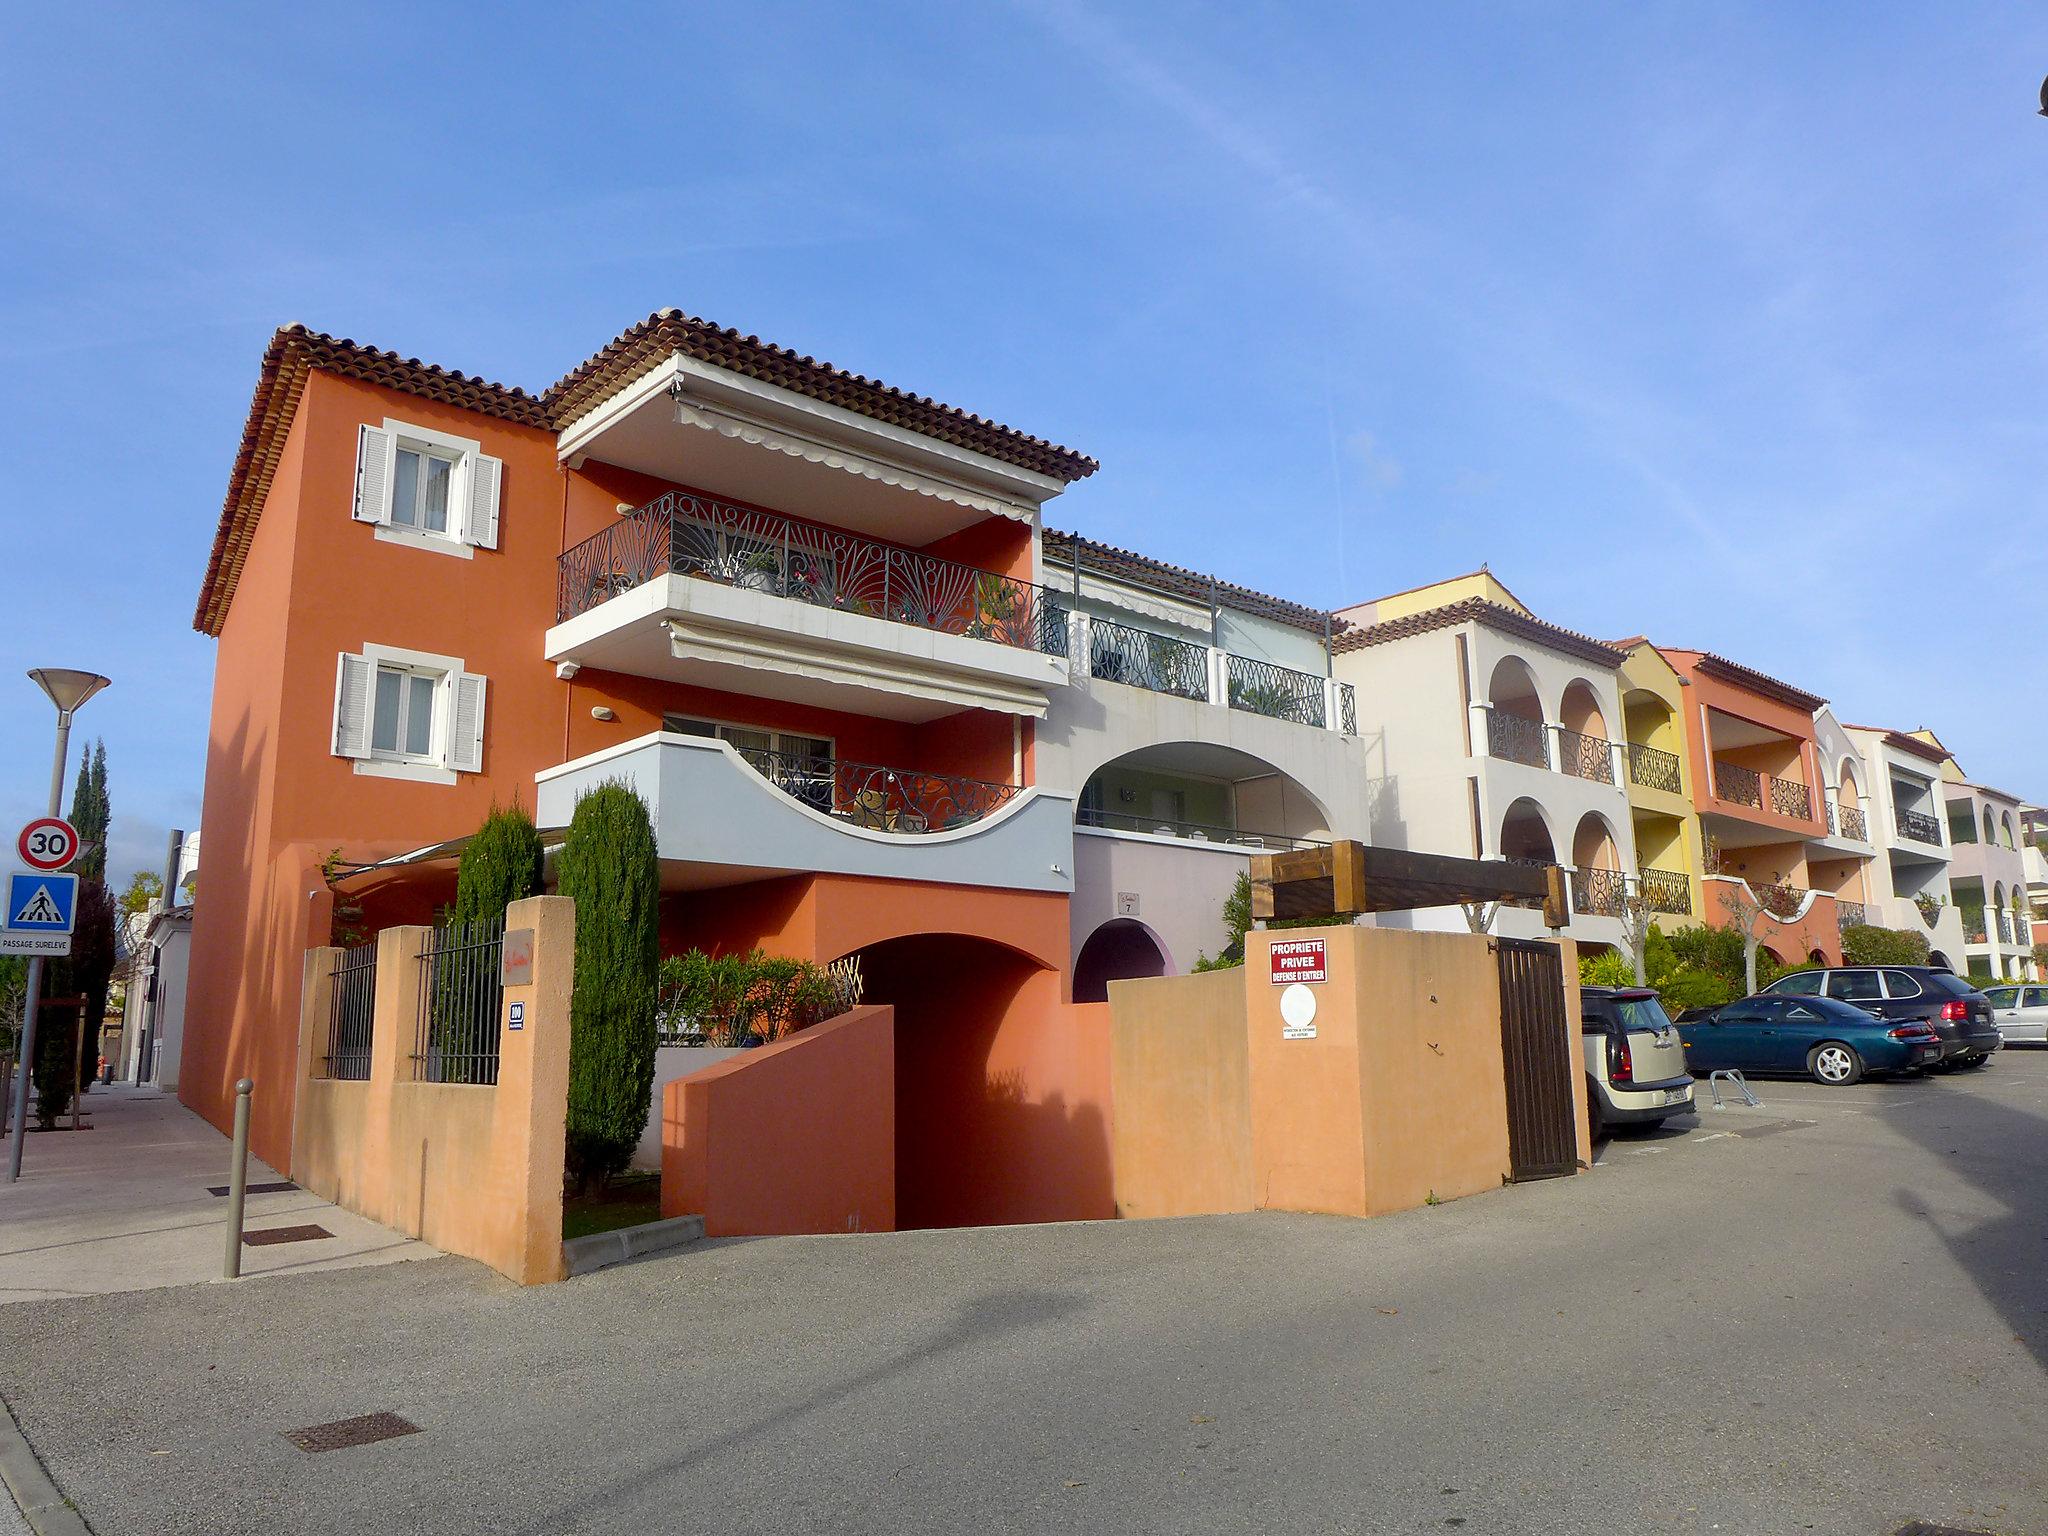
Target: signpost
48, 842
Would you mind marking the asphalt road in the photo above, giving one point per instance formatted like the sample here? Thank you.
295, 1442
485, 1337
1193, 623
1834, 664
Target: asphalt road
1829, 1314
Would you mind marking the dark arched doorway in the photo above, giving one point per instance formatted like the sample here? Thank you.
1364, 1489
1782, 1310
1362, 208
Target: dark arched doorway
1001, 1110
1117, 951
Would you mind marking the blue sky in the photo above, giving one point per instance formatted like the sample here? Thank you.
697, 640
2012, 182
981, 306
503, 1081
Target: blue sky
1722, 323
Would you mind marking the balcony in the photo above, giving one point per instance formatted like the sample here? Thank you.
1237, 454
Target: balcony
1918, 826
1191, 831
723, 816
1599, 892
1654, 768
1784, 902
1183, 669
696, 590
1853, 824
1515, 739
1586, 757
1738, 785
1790, 798
1851, 914
2004, 926
1666, 890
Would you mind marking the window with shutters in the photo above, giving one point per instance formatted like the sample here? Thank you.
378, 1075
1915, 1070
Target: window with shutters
408, 714
426, 488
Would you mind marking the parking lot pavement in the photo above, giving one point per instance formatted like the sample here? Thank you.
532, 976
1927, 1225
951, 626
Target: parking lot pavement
1829, 1314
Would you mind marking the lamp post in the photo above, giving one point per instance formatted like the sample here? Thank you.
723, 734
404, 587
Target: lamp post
68, 690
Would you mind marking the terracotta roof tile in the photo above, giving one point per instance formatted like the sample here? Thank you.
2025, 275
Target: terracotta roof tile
1478, 610
1756, 682
1143, 570
668, 331
1905, 743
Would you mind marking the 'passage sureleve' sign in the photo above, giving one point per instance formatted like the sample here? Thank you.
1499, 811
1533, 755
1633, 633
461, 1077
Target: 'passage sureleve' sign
1300, 960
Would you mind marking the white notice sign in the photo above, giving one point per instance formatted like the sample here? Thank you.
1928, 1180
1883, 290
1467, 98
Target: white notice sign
1298, 1013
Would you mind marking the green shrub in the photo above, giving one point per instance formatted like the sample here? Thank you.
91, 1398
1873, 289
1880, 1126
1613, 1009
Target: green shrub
1609, 968
1683, 989
1866, 944
609, 869
751, 999
500, 865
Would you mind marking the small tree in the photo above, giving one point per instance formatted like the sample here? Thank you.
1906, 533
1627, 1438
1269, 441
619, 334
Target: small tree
501, 865
1635, 931
1745, 917
142, 892
609, 868
1479, 914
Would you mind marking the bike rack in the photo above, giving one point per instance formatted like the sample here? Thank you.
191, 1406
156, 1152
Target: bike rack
1735, 1080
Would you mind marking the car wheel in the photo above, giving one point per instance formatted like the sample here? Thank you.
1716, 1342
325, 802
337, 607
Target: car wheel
1835, 1064
1596, 1115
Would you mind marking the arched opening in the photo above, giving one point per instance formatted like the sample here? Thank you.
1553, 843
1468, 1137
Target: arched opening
1653, 742
1579, 710
999, 1116
2005, 830
1202, 792
1990, 829
1582, 744
1765, 952
1525, 835
1119, 950
1598, 886
1514, 716
1815, 957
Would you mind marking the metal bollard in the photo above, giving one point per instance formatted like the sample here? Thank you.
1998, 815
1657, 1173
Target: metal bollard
238, 1180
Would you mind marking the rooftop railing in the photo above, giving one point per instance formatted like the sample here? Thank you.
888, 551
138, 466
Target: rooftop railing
684, 535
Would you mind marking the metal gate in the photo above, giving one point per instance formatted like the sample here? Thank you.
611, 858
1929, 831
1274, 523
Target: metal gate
1536, 1049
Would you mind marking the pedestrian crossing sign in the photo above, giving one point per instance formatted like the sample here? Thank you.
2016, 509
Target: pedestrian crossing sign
40, 903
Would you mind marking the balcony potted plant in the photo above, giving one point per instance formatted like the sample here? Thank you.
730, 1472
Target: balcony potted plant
1930, 907
761, 571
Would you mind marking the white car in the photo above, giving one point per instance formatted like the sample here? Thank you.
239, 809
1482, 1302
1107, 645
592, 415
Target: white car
2020, 1012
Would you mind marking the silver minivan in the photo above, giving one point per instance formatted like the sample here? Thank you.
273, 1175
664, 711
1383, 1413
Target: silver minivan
1635, 1062
2020, 1010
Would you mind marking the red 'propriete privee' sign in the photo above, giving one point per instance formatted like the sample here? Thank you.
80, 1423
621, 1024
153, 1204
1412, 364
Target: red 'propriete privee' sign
1300, 960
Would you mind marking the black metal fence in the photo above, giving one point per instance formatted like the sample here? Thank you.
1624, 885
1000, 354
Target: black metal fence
1515, 739
1190, 831
881, 798
1265, 688
1587, 757
1667, 890
1653, 768
460, 1003
351, 1014
1118, 653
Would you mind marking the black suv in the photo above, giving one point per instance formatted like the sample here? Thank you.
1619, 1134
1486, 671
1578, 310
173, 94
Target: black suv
1960, 1014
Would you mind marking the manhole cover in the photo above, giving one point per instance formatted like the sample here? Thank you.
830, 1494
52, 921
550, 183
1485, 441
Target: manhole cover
271, 1235
276, 1187
364, 1429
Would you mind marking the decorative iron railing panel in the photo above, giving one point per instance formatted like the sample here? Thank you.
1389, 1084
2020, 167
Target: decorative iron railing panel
1853, 824
1667, 890
1598, 892
1347, 708
1265, 688
1117, 653
2004, 926
1742, 785
684, 535
1515, 739
1851, 914
455, 1039
351, 1013
1781, 901
1828, 810
1919, 826
1191, 831
1653, 768
1791, 798
1585, 757
882, 799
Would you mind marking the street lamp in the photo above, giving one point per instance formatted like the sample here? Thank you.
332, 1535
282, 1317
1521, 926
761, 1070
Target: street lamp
68, 690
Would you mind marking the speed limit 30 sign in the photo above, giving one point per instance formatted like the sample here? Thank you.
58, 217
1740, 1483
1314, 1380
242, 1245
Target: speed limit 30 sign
48, 842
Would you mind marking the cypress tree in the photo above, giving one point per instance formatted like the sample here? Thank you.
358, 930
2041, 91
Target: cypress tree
92, 812
501, 865
608, 867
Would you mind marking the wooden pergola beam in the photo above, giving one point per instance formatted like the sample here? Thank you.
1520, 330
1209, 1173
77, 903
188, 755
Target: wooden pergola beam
1349, 878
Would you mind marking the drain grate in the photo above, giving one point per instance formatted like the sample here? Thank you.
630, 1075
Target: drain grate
270, 1235
276, 1187
364, 1429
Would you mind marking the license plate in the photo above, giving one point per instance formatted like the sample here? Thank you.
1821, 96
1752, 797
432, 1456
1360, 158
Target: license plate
1674, 1095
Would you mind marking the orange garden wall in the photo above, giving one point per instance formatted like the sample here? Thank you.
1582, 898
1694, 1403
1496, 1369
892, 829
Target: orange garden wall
798, 1136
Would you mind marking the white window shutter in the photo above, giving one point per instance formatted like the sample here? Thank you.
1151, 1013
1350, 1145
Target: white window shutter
466, 725
352, 679
375, 450
484, 475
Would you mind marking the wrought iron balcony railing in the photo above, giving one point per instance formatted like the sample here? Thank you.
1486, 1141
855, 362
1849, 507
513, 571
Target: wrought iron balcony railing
1743, 786
1827, 807
1851, 914
1587, 757
1515, 739
1191, 831
1598, 892
1265, 688
1347, 708
684, 535
1118, 653
1853, 824
899, 800
1919, 826
1653, 768
2004, 926
1667, 890
1789, 797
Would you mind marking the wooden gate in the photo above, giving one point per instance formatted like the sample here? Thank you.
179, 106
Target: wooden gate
1536, 1050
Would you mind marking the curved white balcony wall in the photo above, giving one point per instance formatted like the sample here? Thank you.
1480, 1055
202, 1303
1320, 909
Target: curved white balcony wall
718, 822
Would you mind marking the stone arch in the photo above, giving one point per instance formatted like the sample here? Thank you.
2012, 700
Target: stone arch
1525, 833
1579, 709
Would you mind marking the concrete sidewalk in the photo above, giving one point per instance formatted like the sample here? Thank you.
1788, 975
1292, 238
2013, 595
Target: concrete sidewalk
125, 1207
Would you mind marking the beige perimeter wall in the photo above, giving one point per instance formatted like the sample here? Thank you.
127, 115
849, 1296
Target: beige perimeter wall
472, 1169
